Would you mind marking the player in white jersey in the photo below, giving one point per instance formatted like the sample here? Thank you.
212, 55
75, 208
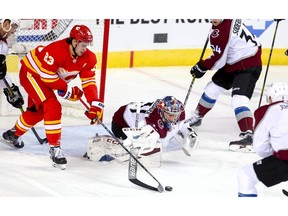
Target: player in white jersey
236, 57
7, 28
270, 143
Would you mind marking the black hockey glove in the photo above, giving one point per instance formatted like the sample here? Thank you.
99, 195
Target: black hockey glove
16, 98
198, 70
3, 67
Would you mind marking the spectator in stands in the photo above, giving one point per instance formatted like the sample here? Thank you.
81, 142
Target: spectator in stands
13, 95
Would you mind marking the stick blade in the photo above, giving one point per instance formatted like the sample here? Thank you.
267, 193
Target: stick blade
149, 187
132, 173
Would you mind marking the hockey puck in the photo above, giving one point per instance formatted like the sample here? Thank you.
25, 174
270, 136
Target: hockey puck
168, 188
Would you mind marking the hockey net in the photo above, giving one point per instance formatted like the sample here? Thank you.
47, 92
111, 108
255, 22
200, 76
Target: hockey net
36, 32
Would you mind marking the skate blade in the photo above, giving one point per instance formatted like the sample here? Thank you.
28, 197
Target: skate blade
21, 145
60, 166
241, 148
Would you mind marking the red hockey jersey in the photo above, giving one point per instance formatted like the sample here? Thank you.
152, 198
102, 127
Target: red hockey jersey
56, 67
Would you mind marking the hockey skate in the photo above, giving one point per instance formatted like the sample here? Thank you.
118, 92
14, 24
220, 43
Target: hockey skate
11, 139
58, 158
195, 120
243, 145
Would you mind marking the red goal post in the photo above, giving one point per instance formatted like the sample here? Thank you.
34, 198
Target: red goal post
34, 32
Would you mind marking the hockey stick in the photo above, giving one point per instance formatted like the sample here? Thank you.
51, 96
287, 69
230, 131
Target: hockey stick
153, 106
132, 173
133, 168
268, 63
193, 79
137, 114
40, 140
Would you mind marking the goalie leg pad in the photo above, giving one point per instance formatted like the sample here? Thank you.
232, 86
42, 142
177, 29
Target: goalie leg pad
105, 148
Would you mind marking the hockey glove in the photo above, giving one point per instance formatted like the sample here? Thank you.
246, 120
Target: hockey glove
71, 93
3, 67
198, 70
95, 112
15, 98
191, 141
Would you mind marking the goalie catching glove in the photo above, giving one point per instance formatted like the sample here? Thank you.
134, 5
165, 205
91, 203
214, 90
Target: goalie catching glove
15, 98
95, 112
71, 93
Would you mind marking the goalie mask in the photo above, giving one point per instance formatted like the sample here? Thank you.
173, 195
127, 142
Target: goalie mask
81, 33
276, 92
170, 110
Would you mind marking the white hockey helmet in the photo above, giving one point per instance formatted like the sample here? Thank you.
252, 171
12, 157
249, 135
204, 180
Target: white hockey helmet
277, 91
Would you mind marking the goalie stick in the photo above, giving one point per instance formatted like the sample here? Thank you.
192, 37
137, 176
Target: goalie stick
40, 140
153, 106
132, 161
132, 172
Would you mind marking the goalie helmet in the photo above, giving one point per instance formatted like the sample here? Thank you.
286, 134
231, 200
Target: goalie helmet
277, 91
170, 109
81, 33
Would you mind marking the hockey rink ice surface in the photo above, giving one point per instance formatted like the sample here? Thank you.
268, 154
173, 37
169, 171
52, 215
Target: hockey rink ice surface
209, 176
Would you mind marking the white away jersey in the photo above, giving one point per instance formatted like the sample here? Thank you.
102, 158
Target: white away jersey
234, 47
271, 130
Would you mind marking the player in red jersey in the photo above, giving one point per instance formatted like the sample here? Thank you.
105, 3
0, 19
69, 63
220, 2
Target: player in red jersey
47, 70
236, 57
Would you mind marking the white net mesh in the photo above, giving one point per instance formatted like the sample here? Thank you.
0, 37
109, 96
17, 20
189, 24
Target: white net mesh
36, 32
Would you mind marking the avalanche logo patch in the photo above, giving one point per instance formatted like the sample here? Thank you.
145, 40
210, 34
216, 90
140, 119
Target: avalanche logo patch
215, 33
257, 26
160, 124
